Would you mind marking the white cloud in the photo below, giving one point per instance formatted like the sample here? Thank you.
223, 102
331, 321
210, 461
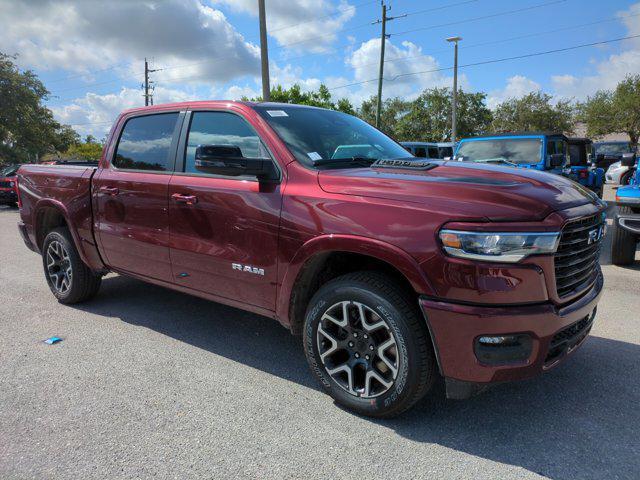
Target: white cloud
80, 36
94, 114
399, 60
295, 22
517, 86
609, 72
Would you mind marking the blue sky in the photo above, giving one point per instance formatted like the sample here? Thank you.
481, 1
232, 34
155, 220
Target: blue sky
90, 53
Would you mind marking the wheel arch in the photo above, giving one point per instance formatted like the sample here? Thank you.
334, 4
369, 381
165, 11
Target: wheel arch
50, 214
323, 258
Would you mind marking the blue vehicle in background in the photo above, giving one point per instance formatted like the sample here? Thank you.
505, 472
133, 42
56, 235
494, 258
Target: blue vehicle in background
543, 151
626, 223
581, 168
433, 150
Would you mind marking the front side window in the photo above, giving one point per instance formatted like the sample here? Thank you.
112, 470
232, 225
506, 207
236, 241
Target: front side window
222, 129
421, 152
521, 151
145, 142
433, 152
446, 152
317, 136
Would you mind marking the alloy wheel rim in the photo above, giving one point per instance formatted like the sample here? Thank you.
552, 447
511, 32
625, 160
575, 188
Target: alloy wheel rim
358, 349
59, 267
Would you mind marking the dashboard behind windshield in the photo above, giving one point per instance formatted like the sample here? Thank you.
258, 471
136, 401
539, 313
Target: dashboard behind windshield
314, 134
521, 151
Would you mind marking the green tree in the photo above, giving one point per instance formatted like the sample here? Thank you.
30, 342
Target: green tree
534, 112
27, 128
429, 116
614, 111
90, 151
393, 109
320, 98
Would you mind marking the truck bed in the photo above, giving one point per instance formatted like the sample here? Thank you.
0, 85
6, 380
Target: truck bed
65, 187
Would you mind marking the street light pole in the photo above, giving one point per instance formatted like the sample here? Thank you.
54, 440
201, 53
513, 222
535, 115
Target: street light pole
454, 106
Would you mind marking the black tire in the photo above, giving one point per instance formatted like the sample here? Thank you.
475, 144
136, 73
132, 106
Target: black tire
82, 283
623, 242
12, 205
413, 358
626, 177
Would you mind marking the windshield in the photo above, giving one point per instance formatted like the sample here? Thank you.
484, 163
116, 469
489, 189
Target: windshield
508, 150
612, 148
314, 135
8, 171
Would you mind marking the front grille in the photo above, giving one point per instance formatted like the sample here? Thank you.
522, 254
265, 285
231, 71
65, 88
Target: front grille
567, 338
576, 261
5, 185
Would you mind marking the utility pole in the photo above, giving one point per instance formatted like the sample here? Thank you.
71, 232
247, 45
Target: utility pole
383, 40
454, 103
148, 97
264, 53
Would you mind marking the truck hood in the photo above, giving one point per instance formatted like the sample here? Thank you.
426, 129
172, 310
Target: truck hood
468, 191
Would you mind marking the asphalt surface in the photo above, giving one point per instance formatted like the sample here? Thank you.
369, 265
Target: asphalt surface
152, 383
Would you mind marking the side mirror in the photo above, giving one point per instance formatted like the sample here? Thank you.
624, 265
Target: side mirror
628, 160
557, 160
228, 160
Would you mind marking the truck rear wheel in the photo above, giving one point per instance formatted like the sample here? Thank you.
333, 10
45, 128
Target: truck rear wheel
69, 279
623, 242
368, 345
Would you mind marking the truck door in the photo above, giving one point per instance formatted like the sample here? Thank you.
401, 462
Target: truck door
131, 217
223, 229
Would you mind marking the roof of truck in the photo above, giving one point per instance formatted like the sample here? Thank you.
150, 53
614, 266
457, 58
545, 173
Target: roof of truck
517, 134
215, 103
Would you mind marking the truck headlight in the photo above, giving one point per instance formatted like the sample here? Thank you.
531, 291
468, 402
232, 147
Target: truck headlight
11, 184
509, 247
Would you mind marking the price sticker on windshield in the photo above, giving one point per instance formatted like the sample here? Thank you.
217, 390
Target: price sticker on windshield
277, 113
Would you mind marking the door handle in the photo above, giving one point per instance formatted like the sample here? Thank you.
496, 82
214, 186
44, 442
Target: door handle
109, 190
186, 199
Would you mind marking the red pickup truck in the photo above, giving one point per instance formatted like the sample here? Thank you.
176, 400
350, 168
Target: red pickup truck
396, 270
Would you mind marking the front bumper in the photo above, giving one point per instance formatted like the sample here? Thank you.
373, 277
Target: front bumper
555, 333
8, 196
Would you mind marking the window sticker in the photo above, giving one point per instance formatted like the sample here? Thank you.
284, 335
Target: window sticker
314, 156
277, 113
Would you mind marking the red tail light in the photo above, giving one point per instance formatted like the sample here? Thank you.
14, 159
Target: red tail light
16, 185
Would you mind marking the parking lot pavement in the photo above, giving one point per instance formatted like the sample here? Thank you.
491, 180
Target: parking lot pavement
152, 383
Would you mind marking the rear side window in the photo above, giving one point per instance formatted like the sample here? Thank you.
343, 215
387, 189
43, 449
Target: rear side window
145, 142
221, 128
433, 152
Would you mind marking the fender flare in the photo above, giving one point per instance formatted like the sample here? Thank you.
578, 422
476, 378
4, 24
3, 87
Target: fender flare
60, 207
383, 251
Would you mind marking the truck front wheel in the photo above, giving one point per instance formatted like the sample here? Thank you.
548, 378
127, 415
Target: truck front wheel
69, 279
368, 345
623, 242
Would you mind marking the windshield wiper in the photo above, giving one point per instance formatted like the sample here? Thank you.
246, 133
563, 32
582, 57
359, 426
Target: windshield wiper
349, 161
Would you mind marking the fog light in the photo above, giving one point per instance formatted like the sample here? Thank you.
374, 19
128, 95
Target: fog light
503, 349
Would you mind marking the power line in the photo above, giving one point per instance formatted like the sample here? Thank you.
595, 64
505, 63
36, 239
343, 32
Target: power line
499, 60
293, 25
485, 62
483, 17
279, 47
503, 40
